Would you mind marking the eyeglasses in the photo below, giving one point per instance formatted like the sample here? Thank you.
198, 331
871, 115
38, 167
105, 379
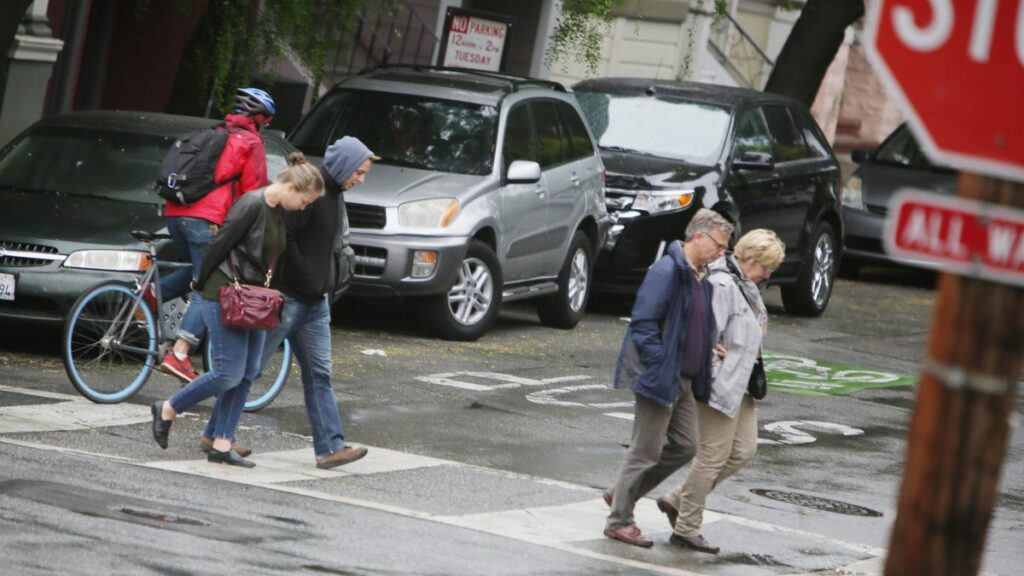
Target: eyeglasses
721, 247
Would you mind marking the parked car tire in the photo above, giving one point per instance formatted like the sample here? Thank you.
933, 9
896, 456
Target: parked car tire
565, 308
470, 306
809, 295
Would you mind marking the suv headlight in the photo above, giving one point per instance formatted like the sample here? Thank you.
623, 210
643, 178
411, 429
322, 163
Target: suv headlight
119, 260
653, 202
434, 213
852, 196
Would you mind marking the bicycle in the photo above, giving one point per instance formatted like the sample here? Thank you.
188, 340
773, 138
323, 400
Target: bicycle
112, 341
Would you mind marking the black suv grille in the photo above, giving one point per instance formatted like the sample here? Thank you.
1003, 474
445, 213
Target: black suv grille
365, 216
24, 254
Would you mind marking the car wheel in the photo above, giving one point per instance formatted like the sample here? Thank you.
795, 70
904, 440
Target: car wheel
809, 296
565, 308
470, 307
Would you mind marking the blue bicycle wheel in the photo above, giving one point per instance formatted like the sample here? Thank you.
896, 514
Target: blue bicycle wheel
109, 343
275, 374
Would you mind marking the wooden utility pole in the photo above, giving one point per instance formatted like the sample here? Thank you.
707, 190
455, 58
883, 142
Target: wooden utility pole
961, 419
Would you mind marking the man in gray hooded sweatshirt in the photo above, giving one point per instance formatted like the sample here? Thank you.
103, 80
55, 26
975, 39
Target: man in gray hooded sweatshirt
311, 272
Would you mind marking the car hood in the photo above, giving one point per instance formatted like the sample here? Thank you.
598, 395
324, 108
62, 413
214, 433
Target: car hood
880, 181
393, 185
72, 222
640, 172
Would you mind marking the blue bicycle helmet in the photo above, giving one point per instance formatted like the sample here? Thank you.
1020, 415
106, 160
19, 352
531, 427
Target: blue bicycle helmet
253, 101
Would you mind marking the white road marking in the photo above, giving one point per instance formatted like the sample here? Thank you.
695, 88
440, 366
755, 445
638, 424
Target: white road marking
69, 415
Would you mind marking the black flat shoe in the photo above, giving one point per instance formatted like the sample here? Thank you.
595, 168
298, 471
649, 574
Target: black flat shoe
161, 427
230, 457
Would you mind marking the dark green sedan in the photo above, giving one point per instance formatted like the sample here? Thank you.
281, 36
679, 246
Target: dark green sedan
72, 188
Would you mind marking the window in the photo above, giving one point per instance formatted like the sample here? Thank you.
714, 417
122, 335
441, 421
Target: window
519, 136
815, 141
405, 130
752, 134
901, 149
580, 145
550, 143
788, 143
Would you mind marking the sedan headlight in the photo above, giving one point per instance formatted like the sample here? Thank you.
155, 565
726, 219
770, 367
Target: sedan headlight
653, 202
852, 197
434, 213
119, 260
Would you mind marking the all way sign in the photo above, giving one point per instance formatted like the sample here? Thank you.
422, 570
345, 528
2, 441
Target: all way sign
957, 235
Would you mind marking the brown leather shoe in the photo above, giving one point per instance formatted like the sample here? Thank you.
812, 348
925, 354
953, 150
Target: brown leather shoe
669, 510
697, 543
343, 456
628, 534
205, 444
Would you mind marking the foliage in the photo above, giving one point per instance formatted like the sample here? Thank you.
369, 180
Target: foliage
581, 30
236, 41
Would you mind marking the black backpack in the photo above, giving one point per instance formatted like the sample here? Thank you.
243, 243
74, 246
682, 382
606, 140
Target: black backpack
186, 173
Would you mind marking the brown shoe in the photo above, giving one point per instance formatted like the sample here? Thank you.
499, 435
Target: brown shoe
669, 510
628, 534
205, 444
697, 543
343, 456
607, 497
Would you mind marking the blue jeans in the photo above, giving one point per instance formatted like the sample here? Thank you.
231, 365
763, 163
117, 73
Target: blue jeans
236, 363
309, 329
190, 236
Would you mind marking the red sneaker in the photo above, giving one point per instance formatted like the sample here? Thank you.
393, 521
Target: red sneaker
178, 368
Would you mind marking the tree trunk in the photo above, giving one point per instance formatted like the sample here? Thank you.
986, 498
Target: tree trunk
811, 46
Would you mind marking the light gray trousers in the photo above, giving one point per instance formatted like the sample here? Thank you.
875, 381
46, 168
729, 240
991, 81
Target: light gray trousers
664, 440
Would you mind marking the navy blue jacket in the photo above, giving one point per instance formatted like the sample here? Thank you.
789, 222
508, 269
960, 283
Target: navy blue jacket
650, 358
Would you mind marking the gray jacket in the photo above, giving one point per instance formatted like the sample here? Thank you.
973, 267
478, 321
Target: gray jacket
739, 330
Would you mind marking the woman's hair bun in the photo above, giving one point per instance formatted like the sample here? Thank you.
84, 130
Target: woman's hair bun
296, 158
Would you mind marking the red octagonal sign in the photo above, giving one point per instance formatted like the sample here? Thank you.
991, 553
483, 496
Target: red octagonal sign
958, 68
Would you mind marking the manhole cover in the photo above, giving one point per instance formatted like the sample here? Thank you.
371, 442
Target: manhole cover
816, 502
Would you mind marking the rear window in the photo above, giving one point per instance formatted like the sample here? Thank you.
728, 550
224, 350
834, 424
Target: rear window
85, 162
405, 130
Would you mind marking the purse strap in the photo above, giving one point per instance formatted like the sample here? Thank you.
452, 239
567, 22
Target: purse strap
273, 256
739, 287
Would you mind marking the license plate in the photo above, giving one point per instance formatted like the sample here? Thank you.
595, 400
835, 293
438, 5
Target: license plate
6, 286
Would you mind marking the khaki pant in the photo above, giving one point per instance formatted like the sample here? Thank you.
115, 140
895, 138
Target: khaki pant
726, 444
664, 440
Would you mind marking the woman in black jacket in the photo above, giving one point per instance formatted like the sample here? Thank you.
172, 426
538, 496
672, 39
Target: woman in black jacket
248, 245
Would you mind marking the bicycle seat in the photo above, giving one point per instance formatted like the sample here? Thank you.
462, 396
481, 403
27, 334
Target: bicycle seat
143, 236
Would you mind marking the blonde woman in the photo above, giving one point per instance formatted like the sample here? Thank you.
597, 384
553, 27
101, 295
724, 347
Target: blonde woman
253, 236
727, 422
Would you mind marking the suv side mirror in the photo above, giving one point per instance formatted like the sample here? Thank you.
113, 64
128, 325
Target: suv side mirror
754, 161
523, 172
859, 155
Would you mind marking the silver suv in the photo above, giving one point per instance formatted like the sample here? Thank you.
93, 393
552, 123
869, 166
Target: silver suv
489, 189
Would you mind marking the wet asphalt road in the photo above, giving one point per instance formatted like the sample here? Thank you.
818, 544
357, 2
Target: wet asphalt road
501, 432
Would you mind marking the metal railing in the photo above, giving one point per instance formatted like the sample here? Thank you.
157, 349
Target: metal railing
386, 33
738, 53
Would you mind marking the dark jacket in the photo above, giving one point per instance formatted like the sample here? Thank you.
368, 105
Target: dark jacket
650, 359
310, 267
242, 236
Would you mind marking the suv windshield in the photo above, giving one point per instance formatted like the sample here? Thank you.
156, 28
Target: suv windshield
437, 135
902, 149
85, 162
691, 131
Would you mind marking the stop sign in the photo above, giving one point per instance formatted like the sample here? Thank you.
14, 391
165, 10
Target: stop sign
958, 70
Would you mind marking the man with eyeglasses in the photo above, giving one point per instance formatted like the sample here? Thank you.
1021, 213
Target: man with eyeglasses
666, 361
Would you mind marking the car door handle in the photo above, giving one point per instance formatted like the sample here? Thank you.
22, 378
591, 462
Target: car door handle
541, 191
776, 186
575, 180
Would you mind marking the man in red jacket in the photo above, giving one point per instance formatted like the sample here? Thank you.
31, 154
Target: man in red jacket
244, 163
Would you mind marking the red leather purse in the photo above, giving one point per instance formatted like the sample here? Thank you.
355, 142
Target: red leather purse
249, 307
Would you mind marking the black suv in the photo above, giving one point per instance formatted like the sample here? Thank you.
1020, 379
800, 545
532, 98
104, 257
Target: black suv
757, 158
